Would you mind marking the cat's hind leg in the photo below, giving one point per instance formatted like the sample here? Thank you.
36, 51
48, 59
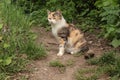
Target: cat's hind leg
75, 51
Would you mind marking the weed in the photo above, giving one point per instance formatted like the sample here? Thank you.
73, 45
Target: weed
60, 66
35, 52
116, 77
56, 63
93, 61
80, 75
83, 71
70, 62
62, 69
108, 63
107, 58
114, 69
18, 64
23, 78
3, 76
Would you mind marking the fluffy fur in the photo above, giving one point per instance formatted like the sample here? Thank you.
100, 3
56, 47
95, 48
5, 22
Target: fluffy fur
70, 39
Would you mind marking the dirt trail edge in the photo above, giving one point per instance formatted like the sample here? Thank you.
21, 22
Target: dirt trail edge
42, 69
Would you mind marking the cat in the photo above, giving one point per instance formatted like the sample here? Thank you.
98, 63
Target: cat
71, 39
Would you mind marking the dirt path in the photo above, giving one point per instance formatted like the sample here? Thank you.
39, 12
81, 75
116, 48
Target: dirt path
42, 70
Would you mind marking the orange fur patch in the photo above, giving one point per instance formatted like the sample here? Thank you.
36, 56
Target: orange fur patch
54, 15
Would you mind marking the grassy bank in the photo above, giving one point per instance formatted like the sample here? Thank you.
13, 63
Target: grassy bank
17, 45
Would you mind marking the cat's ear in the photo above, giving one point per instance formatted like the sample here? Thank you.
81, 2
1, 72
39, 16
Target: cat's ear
59, 12
48, 11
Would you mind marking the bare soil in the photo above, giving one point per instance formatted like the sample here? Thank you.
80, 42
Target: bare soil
41, 69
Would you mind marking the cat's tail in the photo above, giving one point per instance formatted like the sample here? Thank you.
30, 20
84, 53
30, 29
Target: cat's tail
88, 52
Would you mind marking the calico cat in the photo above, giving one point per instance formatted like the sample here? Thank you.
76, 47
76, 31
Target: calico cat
70, 39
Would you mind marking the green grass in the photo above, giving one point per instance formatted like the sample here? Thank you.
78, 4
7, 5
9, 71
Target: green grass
93, 61
80, 75
108, 64
59, 65
16, 65
35, 52
17, 39
70, 62
107, 58
3, 76
56, 63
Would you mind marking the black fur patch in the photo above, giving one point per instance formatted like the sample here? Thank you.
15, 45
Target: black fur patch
64, 33
89, 55
84, 49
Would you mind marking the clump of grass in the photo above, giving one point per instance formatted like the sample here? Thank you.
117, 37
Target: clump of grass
114, 69
18, 64
93, 61
116, 77
80, 75
107, 58
70, 62
12, 66
3, 76
23, 78
35, 52
56, 63
110, 63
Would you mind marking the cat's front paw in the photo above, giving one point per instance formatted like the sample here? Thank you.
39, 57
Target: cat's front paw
72, 53
59, 54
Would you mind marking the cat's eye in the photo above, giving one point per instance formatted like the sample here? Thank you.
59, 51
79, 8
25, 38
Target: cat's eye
49, 18
54, 18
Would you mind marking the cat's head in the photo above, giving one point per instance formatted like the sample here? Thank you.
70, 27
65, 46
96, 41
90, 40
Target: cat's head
54, 17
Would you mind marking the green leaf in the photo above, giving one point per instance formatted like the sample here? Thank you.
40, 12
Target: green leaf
99, 3
118, 30
115, 43
106, 3
0, 38
8, 61
6, 45
1, 25
1, 60
110, 29
8, 1
33, 36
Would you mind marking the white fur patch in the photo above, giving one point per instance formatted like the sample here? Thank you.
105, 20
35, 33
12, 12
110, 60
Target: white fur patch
58, 25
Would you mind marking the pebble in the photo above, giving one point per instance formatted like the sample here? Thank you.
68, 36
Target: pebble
45, 69
90, 42
36, 69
